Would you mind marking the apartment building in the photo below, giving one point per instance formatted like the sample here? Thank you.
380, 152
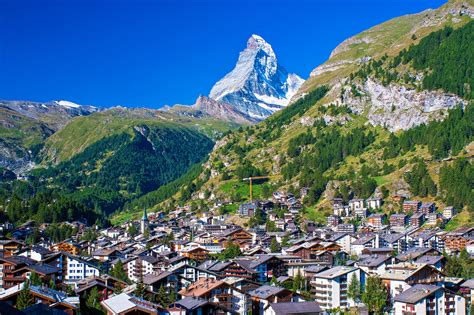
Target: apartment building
330, 287
398, 219
77, 269
423, 299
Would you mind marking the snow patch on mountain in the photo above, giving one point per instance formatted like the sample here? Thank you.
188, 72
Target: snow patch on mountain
68, 104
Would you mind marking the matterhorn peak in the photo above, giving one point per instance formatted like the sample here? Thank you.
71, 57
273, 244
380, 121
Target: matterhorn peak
256, 42
257, 86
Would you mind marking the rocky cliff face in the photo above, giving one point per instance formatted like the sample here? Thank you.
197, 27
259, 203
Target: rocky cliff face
221, 110
397, 107
258, 85
393, 106
208, 107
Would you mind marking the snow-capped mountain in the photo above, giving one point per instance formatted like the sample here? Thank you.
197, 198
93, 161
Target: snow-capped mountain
55, 113
257, 86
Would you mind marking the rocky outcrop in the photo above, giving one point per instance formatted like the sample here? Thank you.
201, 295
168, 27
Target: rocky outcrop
397, 107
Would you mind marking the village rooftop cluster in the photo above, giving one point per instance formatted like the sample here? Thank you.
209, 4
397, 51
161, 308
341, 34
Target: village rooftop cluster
188, 263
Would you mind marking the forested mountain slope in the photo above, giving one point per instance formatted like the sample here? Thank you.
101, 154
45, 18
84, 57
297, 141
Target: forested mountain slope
25, 125
388, 114
96, 163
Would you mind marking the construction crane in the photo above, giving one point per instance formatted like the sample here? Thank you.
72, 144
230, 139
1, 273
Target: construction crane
251, 178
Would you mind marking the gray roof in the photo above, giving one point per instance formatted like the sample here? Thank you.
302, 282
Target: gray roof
152, 278
363, 240
213, 265
392, 237
373, 260
416, 293
428, 259
315, 268
469, 284
150, 259
41, 250
413, 253
43, 269
266, 291
42, 309
191, 303
334, 272
288, 308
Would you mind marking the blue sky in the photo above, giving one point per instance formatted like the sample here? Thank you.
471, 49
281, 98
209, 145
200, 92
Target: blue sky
151, 53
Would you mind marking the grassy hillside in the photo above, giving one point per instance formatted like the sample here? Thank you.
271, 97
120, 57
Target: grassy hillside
387, 38
320, 143
21, 137
82, 132
97, 164
21, 130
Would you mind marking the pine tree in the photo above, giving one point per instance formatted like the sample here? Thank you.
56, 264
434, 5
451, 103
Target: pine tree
375, 295
25, 298
92, 305
140, 289
231, 251
162, 297
35, 279
172, 296
118, 271
275, 246
353, 292
298, 281
274, 280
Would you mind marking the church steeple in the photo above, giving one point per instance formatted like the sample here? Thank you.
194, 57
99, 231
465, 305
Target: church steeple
144, 222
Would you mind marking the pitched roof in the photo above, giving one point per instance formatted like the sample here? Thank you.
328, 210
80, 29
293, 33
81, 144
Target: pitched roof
42, 309
413, 253
124, 302
287, 308
191, 303
335, 272
373, 260
41, 250
404, 271
201, 287
266, 291
469, 284
416, 293
152, 277
6, 308
430, 260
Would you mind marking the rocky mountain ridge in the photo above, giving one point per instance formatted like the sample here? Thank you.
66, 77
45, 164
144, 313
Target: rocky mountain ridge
257, 87
24, 125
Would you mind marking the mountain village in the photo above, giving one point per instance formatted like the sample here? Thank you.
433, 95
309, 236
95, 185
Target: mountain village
185, 263
388, 119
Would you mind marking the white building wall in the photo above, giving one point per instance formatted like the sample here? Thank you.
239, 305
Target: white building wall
77, 270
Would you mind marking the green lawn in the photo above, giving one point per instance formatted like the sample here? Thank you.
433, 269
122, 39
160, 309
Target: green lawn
316, 215
230, 208
381, 180
122, 217
461, 219
242, 188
